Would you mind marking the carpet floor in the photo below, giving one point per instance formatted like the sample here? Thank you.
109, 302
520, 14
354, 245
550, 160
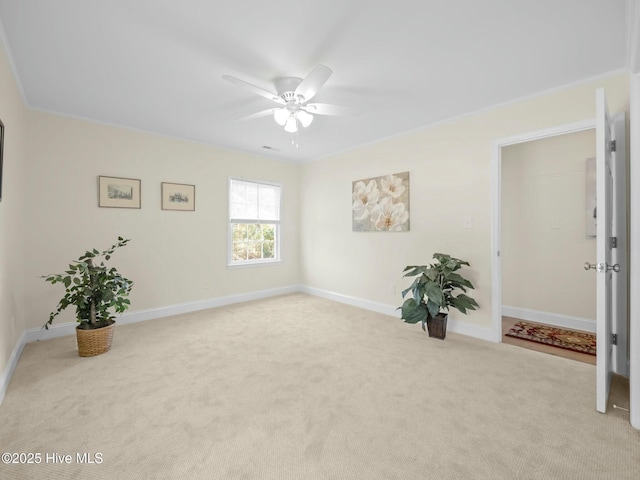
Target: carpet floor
299, 387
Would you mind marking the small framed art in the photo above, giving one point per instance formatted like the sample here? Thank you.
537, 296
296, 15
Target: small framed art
178, 196
115, 192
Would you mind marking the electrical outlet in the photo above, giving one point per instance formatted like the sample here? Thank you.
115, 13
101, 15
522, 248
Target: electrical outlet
391, 290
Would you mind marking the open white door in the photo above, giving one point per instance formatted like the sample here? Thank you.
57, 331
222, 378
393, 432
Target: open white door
605, 157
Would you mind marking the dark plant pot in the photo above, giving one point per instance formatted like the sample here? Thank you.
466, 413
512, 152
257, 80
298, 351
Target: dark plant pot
437, 326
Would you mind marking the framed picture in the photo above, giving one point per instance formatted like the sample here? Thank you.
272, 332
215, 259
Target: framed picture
115, 192
178, 196
1, 154
381, 204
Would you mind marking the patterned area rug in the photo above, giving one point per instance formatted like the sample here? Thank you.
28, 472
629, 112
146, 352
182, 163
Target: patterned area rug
582, 342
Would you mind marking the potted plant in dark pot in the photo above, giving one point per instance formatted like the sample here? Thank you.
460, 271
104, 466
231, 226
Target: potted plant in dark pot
434, 293
96, 291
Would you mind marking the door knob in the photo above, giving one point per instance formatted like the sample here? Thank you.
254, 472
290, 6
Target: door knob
600, 267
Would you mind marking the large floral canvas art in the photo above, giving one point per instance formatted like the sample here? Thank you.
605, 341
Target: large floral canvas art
381, 204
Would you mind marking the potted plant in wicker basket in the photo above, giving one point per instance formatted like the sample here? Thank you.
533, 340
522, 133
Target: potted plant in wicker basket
433, 293
95, 291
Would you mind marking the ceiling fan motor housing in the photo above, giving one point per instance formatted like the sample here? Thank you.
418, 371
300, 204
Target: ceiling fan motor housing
286, 88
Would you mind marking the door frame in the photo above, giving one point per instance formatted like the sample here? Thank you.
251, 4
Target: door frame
496, 209
634, 250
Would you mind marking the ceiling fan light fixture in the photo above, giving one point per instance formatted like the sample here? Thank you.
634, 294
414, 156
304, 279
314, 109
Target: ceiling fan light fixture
281, 116
291, 125
305, 118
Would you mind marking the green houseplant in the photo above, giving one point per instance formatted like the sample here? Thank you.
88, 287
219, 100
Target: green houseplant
96, 291
434, 292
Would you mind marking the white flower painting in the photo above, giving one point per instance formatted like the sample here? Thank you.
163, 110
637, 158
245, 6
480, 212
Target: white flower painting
381, 203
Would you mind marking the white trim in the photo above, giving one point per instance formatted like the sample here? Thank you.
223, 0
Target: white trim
11, 366
378, 307
253, 264
555, 319
620, 254
634, 258
547, 132
496, 240
168, 311
496, 209
454, 326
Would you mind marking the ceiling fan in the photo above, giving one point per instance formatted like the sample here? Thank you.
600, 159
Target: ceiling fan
293, 94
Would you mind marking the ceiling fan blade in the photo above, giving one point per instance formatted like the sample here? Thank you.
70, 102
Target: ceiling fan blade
263, 113
255, 89
313, 82
328, 109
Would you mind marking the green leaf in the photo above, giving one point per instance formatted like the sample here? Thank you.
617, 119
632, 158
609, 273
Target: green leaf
433, 308
412, 311
458, 280
404, 292
415, 270
435, 294
463, 303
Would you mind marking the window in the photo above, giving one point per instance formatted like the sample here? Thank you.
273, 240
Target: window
254, 222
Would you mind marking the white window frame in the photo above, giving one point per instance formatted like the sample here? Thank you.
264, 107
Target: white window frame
231, 221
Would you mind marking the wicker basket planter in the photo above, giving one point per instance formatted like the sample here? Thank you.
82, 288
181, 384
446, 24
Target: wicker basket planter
94, 342
98, 294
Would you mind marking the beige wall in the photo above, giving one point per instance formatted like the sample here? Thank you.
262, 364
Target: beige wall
12, 224
50, 207
544, 242
174, 257
450, 172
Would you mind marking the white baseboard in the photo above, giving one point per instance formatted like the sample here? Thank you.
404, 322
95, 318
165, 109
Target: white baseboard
378, 307
455, 326
68, 328
11, 366
464, 328
555, 319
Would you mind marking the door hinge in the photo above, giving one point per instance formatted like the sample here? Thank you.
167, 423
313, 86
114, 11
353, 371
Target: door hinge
613, 145
614, 242
614, 339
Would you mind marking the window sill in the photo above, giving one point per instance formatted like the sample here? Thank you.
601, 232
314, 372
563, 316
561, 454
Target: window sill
254, 264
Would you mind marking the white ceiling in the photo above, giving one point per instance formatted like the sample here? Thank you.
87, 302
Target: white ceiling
156, 65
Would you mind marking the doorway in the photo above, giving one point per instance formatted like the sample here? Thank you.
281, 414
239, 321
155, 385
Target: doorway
548, 232
497, 188
554, 222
